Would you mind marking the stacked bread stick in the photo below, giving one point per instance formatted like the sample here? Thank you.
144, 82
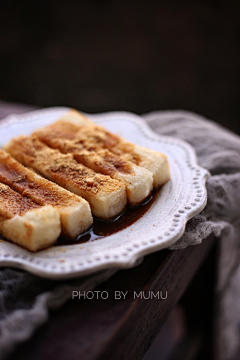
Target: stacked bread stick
53, 181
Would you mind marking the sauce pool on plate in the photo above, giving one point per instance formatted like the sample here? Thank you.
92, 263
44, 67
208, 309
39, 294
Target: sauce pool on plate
103, 228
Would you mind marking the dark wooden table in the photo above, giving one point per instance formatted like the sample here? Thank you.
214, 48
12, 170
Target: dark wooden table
125, 328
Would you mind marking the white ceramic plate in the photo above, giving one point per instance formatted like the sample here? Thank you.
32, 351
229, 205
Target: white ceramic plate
180, 199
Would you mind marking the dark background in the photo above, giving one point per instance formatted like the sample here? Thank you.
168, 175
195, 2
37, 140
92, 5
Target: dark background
123, 55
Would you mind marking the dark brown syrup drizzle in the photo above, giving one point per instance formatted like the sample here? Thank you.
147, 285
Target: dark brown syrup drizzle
102, 228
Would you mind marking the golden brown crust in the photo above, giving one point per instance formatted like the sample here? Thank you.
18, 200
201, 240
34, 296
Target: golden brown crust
154, 161
32, 152
106, 196
91, 137
105, 140
34, 230
85, 150
89, 133
74, 211
12, 203
42, 191
138, 181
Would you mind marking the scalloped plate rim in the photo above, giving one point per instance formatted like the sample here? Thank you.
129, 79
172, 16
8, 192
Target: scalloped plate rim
121, 263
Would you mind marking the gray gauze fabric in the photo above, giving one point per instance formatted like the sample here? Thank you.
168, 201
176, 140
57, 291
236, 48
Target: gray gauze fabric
25, 299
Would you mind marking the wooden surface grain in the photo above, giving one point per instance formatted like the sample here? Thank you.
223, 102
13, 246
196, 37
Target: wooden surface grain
118, 329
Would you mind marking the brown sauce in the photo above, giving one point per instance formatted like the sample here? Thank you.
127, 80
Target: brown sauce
102, 228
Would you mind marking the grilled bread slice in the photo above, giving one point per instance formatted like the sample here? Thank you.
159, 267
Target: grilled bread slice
78, 126
107, 197
25, 223
138, 180
75, 213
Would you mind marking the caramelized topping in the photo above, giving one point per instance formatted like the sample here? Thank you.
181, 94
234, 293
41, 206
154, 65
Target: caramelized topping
31, 151
22, 180
12, 203
85, 149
